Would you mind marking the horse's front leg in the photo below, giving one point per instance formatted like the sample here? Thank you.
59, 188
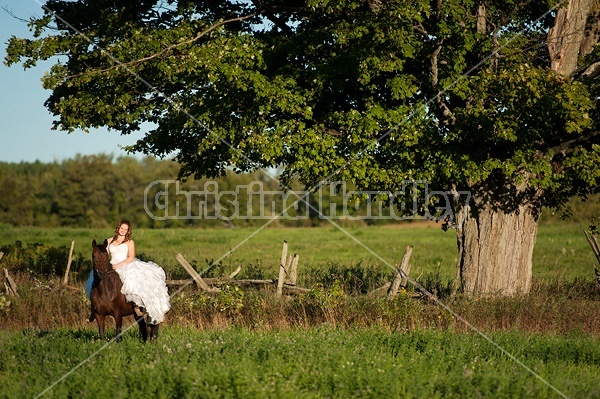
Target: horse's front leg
141, 321
119, 324
92, 313
100, 320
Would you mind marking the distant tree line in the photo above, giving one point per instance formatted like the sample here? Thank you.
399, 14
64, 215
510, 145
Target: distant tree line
97, 190
87, 191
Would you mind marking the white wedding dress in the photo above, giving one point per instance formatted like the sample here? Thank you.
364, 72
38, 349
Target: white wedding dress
143, 283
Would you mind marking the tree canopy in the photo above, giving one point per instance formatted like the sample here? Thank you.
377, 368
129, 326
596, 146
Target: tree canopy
377, 91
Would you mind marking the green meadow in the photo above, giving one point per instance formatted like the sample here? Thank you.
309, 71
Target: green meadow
332, 342
318, 363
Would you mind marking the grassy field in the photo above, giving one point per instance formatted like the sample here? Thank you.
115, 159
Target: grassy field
561, 251
316, 363
330, 342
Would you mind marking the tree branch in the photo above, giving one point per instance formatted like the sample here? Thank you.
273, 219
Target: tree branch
567, 147
588, 72
421, 29
163, 51
12, 14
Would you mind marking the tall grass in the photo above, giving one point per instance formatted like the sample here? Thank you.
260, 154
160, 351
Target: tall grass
338, 272
552, 307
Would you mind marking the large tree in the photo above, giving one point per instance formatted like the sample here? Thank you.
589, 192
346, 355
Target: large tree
495, 98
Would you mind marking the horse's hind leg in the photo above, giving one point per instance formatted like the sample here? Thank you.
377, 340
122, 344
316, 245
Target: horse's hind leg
152, 332
152, 328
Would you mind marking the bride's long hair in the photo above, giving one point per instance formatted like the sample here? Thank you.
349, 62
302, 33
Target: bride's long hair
127, 235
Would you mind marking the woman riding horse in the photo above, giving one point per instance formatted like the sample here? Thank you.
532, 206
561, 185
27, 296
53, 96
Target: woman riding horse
141, 284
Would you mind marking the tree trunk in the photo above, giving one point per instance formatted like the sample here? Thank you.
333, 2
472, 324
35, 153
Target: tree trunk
574, 35
495, 250
496, 235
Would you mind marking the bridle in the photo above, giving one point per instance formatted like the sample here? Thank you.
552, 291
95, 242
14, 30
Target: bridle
101, 262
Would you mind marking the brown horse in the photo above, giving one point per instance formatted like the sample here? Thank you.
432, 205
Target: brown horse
107, 299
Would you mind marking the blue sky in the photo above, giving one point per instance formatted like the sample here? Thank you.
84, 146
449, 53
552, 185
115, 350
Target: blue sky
25, 124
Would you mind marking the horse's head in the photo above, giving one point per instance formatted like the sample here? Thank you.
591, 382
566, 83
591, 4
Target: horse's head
102, 265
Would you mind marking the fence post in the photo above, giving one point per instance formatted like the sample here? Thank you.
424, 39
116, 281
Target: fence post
293, 270
401, 277
199, 281
66, 279
282, 271
10, 285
